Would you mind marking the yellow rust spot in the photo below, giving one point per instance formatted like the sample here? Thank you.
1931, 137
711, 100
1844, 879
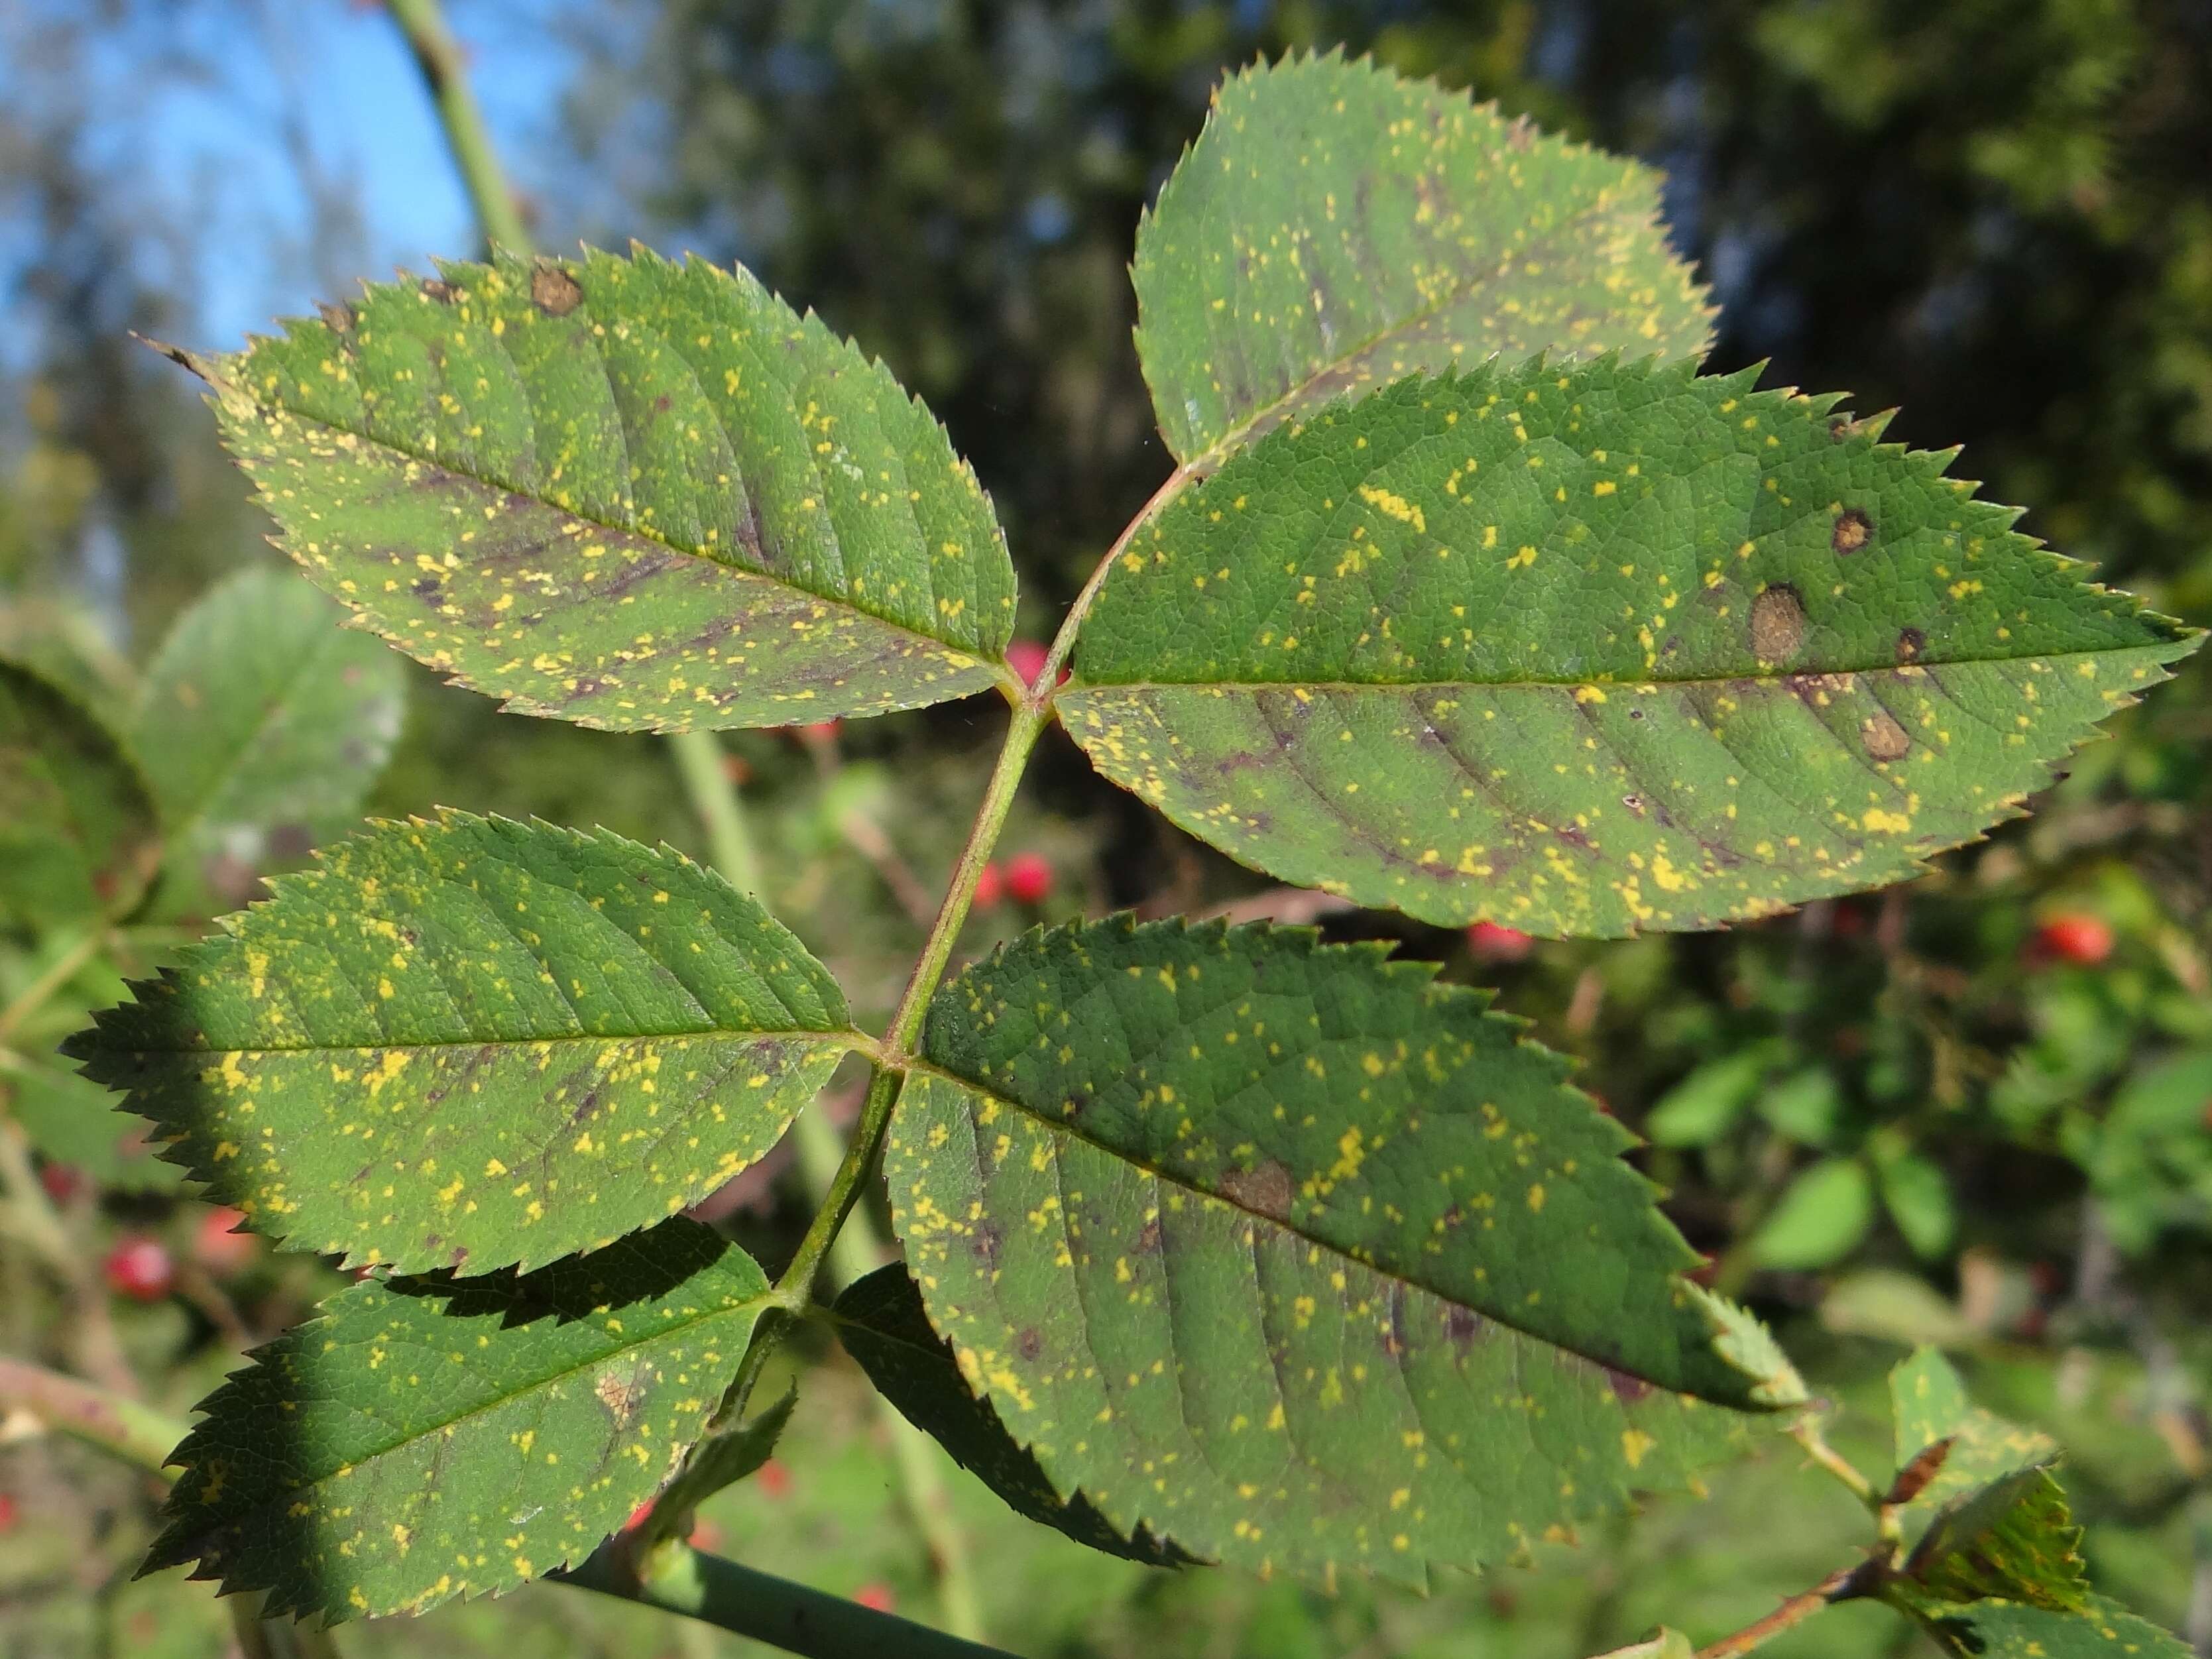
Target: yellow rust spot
1397, 507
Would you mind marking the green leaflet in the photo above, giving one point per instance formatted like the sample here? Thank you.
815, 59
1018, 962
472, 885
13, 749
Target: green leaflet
1295, 1258
76, 824
422, 1439
631, 492
884, 1326
260, 721
1928, 1403
476, 1041
2001, 1629
1590, 649
1819, 1219
1335, 226
2013, 1538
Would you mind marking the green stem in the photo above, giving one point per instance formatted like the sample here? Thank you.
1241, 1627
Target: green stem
857, 1251
714, 799
1029, 717
60, 972
774, 1610
438, 55
99, 1417
1807, 1432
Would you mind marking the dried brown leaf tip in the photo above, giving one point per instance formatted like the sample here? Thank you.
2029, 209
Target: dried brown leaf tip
1913, 1480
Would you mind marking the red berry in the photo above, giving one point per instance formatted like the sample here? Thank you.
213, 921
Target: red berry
1029, 878
1492, 943
6, 1512
990, 887
1027, 658
220, 1243
2075, 936
821, 732
875, 1593
140, 1268
637, 1517
774, 1478
705, 1535
63, 1182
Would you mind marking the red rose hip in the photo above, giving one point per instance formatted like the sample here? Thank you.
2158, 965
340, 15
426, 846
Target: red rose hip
2076, 938
1029, 878
1492, 943
140, 1268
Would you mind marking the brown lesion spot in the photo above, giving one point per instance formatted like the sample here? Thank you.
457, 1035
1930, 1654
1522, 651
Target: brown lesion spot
337, 316
1910, 642
443, 292
1884, 738
1627, 1388
983, 1243
1777, 623
1852, 531
1265, 1190
620, 1395
554, 291
1029, 1344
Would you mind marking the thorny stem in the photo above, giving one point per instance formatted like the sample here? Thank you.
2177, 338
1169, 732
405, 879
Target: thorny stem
1849, 1585
438, 55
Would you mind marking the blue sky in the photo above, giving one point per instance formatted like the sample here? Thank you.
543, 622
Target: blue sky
207, 129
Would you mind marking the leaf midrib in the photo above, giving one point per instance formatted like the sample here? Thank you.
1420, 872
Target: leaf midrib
1215, 453
738, 572
849, 1038
1183, 1184
1769, 677
755, 1305
228, 772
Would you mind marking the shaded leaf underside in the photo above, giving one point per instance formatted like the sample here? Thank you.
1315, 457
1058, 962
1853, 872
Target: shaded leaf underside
1291, 1257
1335, 226
258, 713
76, 821
2013, 1538
477, 1041
884, 1328
629, 493
422, 1439
1593, 649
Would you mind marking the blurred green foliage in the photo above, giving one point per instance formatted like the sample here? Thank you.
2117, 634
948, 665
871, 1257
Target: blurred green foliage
1898, 1118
